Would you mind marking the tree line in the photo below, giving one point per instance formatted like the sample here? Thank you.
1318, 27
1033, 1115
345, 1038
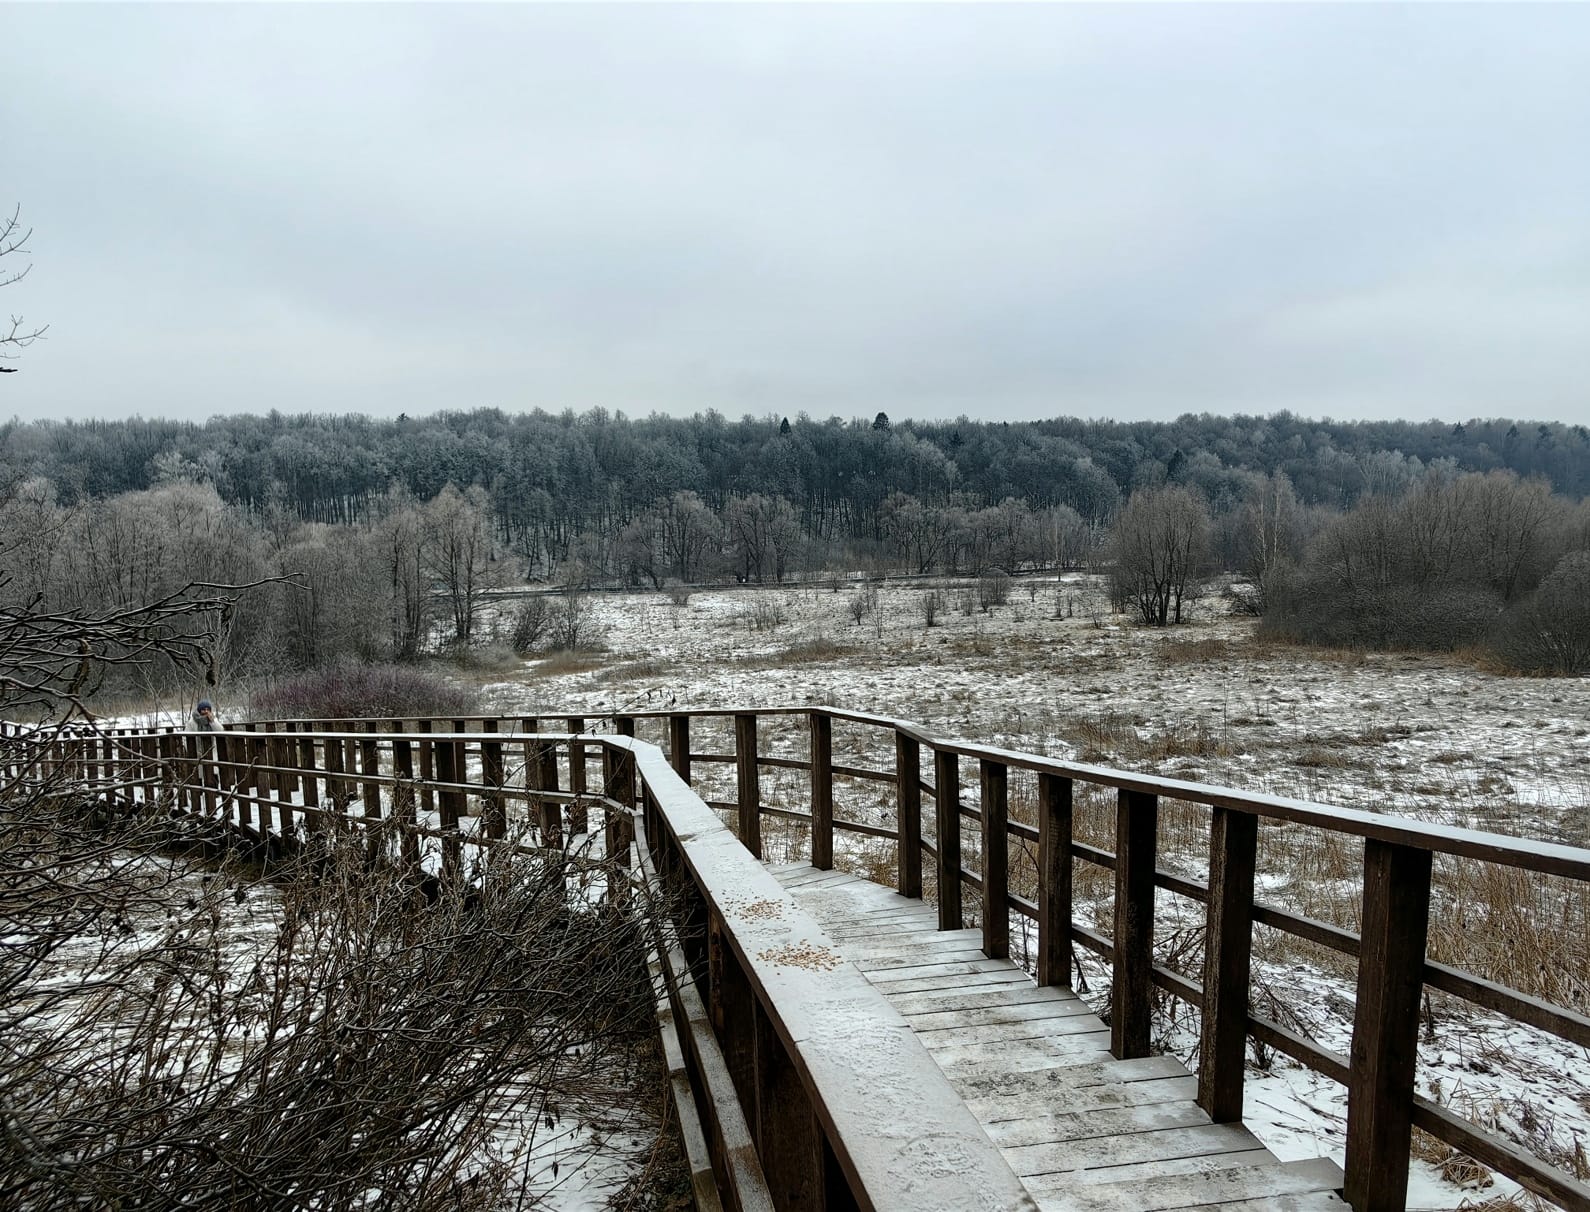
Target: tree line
551, 477
384, 540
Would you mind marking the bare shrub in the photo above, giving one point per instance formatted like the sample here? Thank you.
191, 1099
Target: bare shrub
532, 624
1549, 632
966, 600
678, 593
574, 628
863, 603
993, 589
932, 604
163, 1050
765, 614
352, 692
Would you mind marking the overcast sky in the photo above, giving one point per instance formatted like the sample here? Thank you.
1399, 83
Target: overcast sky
1007, 212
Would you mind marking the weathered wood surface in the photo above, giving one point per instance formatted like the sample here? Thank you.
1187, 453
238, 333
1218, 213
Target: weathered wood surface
1084, 1131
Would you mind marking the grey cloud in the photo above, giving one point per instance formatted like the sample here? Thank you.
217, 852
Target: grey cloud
1012, 210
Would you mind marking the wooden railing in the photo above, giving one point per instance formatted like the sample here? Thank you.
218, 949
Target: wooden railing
765, 1054
799, 1086
1393, 968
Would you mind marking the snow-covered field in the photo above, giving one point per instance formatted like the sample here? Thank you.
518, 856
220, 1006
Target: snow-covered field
1053, 671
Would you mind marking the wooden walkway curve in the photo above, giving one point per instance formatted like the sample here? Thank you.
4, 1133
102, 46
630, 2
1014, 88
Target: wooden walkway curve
845, 1045
1083, 1131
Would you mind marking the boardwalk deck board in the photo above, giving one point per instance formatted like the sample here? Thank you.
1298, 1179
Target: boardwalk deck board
1087, 1132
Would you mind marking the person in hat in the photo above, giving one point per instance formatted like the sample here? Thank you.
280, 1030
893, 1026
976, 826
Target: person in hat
204, 721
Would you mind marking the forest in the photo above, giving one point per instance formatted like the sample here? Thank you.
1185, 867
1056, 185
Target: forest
380, 540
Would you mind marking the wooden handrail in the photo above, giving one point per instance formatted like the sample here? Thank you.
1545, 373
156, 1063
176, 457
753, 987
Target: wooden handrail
1382, 1104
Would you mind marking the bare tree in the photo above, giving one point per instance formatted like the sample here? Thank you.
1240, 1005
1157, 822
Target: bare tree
764, 534
14, 334
458, 542
1161, 549
690, 532
1269, 537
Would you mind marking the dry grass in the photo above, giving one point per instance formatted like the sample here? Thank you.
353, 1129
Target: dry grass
1459, 1169
564, 662
645, 669
818, 650
1204, 650
1114, 738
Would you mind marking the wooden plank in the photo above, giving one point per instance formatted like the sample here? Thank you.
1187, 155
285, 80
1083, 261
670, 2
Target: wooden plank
747, 782
1031, 1160
1101, 1176
1054, 880
1396, 911
996, 860
945, 1001
908, 813
947, 821
981, 1016
1233, 847
1065, 1074
1131, 1001
822, 776
953, 978
1322, 1202
1097, 1123
1041, 1029
1043, 1091
1217, 1182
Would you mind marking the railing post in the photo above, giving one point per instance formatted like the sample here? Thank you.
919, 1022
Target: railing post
450, 807
750, 795
1233, 848
619, 775
822, 772
337, 794
679, 745
732, 1009
1396, 916
789, 1141
494, 817
404, 809
996, 860
254, 749
190, 770
427, 757
947, 813
309, 783
908, 812
370, 767
541, 759
1131, 995
1054, 880
282, 756
579, 819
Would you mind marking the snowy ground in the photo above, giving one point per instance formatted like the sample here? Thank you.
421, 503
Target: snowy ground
1052, 671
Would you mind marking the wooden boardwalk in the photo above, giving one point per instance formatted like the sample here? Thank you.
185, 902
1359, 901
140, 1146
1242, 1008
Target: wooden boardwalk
1085, 1132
